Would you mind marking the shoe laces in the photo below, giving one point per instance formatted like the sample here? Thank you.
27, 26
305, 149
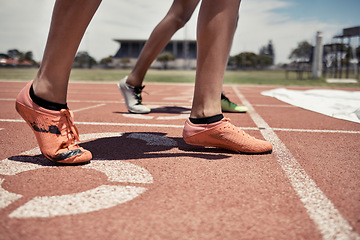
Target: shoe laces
71, 130
234, 128
137, 91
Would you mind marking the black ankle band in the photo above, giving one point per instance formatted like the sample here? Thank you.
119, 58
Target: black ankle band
44, 103
206, 120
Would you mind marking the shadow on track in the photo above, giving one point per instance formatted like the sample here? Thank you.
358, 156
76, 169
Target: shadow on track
137, 145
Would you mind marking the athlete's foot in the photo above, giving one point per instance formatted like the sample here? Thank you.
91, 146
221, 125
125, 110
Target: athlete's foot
223, 134
54, 130
132, 96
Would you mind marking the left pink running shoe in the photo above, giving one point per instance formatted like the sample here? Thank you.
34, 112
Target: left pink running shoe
54, 130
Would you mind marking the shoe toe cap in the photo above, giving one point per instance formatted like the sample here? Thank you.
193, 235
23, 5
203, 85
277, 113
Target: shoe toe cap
74, 156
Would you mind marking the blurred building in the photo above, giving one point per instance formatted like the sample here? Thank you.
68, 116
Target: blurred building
342, 56
183, 50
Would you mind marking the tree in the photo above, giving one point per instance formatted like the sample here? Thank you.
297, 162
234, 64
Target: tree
125, 61
302, 53
245, 60
22, 58
106, 60
84, 60
266, 53
15, 54
165, 58
28, 56
264, 61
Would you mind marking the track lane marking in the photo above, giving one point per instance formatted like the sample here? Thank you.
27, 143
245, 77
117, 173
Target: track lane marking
329, 221
148, 103
181, 126
90, 107
102, 197
274, 105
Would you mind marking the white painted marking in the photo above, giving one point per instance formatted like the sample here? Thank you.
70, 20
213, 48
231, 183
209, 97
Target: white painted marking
178, 98
109, 124
153, 139
313, 130
149, 104
102, 197
130, 124
8, 99
274, 105
180, 116
161, 104
91, 107
11, 120
137, 116
124, 172
95, 101
99, 198
6, 198
19, 163
89, 136
181, 126
1, 129
328, 219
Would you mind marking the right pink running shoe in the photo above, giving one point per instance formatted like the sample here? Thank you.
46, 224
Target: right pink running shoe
225, 135
54, 130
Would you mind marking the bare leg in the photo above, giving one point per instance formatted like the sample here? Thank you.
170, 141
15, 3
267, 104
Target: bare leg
69, 22
179, 13
216, 27
54, 129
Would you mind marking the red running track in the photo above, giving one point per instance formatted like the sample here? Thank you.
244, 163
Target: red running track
146, 183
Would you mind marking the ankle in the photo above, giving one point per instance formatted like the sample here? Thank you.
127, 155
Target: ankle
53, 91
45, 103
207, 120
133, 81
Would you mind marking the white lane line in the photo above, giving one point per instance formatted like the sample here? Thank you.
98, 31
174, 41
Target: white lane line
180, 126
7, 99
91, 107
137, 116
180, 116
274, 105
155, 104
328, 219
109, 124
95, 101
130, 124
313, 130
102, 82
11, 120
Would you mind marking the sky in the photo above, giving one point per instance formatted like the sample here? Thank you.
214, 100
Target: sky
24, 24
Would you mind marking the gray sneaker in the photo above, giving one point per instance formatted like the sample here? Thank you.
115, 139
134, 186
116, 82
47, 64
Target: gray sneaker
132, 96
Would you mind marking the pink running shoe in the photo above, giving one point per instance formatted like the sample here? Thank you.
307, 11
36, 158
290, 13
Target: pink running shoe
54, 130
225, 135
